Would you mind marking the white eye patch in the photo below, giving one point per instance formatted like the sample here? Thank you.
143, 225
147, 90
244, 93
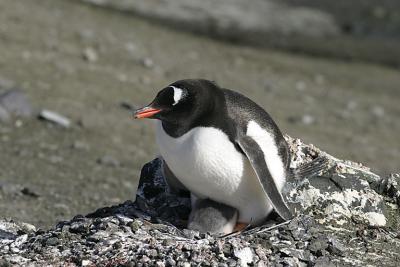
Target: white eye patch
178, 94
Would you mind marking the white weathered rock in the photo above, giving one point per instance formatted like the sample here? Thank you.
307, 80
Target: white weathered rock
55, 118
245, 255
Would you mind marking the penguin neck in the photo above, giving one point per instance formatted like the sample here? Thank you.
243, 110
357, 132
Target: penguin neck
205, 115
175, 130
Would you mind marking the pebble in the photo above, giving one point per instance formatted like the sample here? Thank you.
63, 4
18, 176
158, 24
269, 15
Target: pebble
6, 83
4, 115
53, 241
128, 106
15, 102
318, 244
351, 105
29, 192
319, 79
108, 160
378, 111
300, 86
90, 54
86, 34
245, 255
307, 119
80, 145
130, 47
86, 263
147, 62
55, 117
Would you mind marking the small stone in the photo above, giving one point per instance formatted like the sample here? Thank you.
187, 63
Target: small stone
56, 159
319, 79
307, 119
128, 106
145, 259
6, 83
336, 247
26, 227
26, 54
147, 62
245, 255
90, 55
123, 219
29, 192
108, 160
54, 117
351, 105
18, 123
324, 262
86, 263
130, 47
378, 111
20, 240
318, 245
300, 86
80, 145
170, 262
14, 250
135, 225
4, 115
16, 103
380, 12
53, 241
122, 77
86, 34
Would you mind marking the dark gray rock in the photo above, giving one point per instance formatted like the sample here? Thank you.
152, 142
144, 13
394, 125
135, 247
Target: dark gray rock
14, 102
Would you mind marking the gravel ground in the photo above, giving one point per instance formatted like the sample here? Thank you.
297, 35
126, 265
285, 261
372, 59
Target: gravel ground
341, 221
83, 62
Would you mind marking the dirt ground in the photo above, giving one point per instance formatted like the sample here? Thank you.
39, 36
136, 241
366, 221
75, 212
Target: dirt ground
83, 62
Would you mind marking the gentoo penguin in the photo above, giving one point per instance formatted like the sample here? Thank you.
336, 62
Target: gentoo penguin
221, 146
206, 215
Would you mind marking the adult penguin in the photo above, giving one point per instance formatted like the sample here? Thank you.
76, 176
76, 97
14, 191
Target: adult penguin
222, 146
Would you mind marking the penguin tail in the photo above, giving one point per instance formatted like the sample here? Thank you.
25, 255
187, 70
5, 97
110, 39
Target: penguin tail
310, 169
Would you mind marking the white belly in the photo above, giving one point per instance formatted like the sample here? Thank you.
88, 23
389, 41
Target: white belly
208, 164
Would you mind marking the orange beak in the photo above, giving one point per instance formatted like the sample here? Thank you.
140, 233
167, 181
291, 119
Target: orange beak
146, 112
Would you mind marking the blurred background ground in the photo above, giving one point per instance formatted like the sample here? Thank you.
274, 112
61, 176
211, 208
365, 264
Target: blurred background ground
83, 62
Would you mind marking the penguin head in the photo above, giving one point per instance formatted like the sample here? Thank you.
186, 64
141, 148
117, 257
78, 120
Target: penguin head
181, 101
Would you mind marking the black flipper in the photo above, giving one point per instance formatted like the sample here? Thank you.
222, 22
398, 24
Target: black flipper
257, 160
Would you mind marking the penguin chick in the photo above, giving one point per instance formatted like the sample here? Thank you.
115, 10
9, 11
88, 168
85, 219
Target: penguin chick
213, 217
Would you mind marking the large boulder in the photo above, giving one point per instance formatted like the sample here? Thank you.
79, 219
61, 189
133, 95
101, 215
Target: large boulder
233, 19
346, 215
321, 28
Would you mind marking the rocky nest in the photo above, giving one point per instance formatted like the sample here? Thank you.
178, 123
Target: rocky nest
346, 215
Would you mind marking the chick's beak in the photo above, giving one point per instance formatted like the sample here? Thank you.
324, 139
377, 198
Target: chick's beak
146, 112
